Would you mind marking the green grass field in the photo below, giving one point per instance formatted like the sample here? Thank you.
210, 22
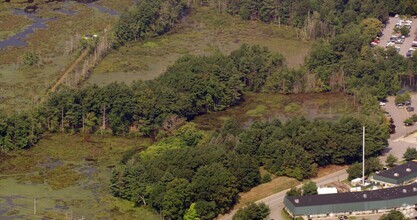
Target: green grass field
67, 174
202, 32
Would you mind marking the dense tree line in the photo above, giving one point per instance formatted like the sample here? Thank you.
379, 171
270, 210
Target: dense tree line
318, 18
193, 85
209, 171
149, 18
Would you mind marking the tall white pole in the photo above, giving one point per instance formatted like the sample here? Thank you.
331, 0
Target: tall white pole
363, 157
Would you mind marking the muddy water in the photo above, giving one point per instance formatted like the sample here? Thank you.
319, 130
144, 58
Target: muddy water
40, 23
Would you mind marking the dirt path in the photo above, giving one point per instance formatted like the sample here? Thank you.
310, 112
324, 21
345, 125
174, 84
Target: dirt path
69, 70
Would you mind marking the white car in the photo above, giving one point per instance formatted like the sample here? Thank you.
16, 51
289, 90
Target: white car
381, 103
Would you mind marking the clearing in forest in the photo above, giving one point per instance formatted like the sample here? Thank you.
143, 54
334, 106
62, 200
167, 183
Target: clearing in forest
202, 32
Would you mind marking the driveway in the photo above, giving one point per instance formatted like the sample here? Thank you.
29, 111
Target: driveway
388, 32
401, 140
275, 202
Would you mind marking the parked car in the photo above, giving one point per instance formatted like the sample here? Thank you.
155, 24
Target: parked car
381, 103
408, 102
390, 44
410, 52
393, 38
400, 40
410, 109
414, 44
397, 48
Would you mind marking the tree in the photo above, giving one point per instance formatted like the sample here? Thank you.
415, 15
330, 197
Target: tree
410, 154
175, 199
393, 215
252, 211
404, 31
371, 27
294, 192
408, 122
191, 213
354, 171
402, 98
391, 160
309, 188
214, 183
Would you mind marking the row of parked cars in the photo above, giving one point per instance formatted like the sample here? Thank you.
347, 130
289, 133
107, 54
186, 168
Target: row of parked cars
404, 23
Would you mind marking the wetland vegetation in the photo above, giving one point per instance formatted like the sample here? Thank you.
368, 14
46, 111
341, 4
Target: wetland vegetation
134, 139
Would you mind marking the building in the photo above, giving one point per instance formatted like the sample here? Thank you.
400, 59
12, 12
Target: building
398, 175
352, 203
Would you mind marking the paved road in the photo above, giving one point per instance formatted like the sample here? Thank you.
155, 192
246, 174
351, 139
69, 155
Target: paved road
388, 32
275, 202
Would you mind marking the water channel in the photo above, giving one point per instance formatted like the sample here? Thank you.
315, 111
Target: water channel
18, 39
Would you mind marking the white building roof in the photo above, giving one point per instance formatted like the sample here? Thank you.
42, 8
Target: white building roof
326, 190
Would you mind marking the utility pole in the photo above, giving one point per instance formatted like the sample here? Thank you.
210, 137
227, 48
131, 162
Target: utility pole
34, 206
363, 157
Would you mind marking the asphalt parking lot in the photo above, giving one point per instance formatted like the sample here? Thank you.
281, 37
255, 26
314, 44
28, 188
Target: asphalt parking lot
388, 32
403, 137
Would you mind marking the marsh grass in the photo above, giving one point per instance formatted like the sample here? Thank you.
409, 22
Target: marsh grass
24, 87
67, 173
263, 106
201, 33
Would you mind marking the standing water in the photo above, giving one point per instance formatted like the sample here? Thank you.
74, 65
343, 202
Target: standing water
40, 23
18, 39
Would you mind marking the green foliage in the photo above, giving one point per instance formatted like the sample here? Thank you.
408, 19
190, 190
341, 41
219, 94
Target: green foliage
404, 31
252, 211
189, 134
266, 178
18, 132
294, 192
163, 146
191, 213
192, 86
371, 165
354, 171
393, 215
30, 59
402, 98
391, 160
410, 154
408, 122
309, 188
295, 148
149, 18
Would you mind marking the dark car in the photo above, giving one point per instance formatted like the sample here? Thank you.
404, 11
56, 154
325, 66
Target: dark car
408, 102
410, 109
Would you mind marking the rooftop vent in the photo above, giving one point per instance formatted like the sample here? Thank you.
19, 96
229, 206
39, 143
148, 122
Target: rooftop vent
408, 170
364, 196
297, 201
404, 190
396, 174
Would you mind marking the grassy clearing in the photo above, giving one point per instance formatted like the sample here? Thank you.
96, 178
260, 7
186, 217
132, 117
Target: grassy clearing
202, 32
22, 87
266, 106
67, 173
